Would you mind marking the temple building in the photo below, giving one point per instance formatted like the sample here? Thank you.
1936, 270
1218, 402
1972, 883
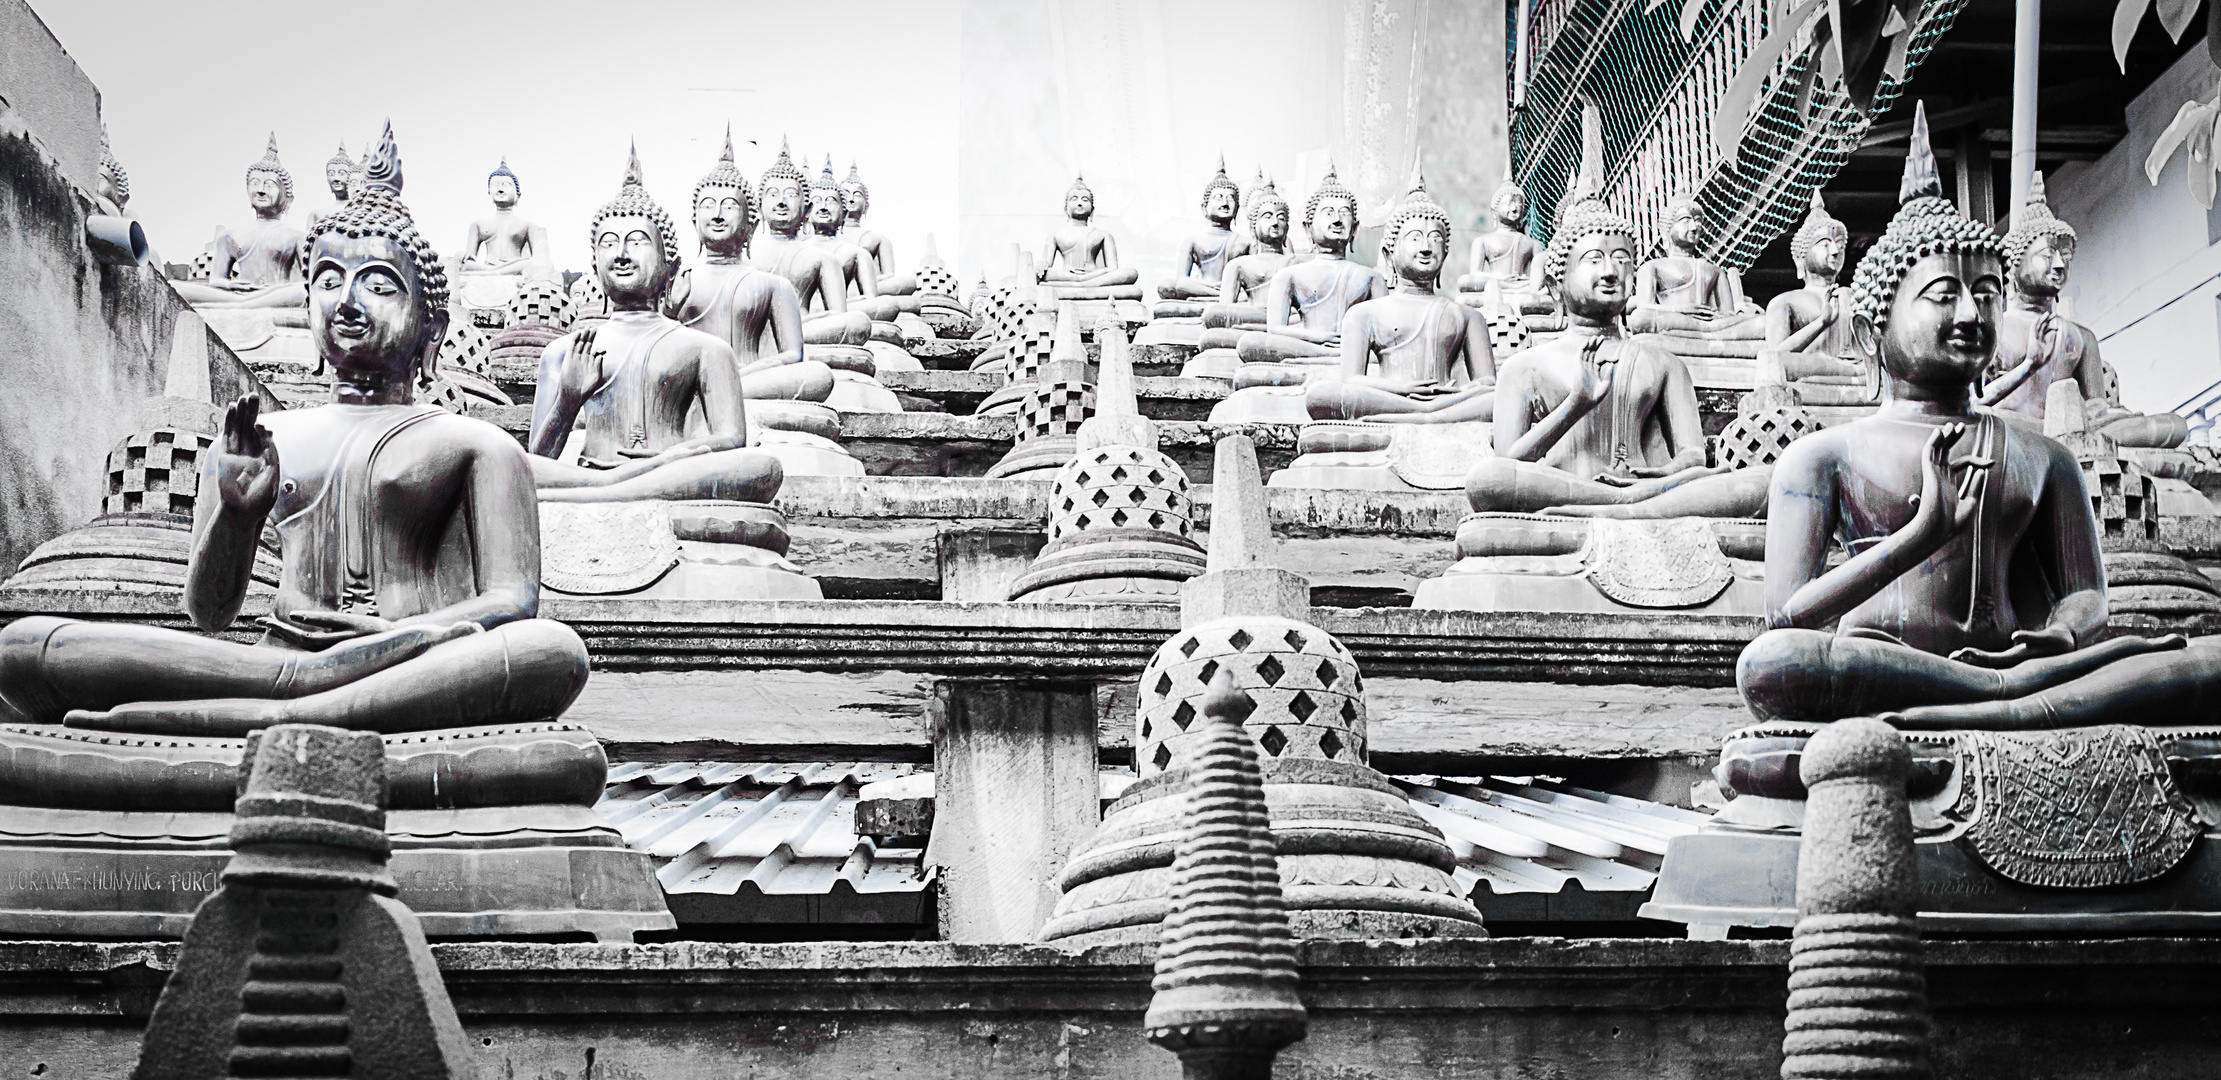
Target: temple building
1328, 539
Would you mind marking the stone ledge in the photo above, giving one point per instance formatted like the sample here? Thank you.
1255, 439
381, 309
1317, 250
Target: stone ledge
960, 392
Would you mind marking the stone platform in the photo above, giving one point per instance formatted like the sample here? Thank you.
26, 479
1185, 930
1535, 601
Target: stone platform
1502, 1008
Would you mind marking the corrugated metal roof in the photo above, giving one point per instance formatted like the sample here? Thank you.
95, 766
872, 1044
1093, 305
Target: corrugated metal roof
1517, 835
778, 829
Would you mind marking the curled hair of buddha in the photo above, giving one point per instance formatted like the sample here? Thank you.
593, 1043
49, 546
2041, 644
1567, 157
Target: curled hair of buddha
1418, 205
1926, 224
633, 201
114, 169
503, 170
1818, 225
863, 191
1219, 181
374, 208
828, 183
782, 168
2036, 223
269, 164
1586, 216
1262, 196
726, 174
1505, 193
1330, 187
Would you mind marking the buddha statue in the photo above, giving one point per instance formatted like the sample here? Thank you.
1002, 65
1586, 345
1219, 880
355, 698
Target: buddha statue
1412, 357
2036, 346
856, 195
1584, 418
410, 564
256, 265
1504, 260
1088, 256
1240, 306
1808, 335
1685, 293
1203, 264
339, 174
502, 250
756, 314
632, 383
820, 286
1305, 301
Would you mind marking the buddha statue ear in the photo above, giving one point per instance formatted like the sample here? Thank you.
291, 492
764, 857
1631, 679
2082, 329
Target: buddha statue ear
1867, 337
428, 357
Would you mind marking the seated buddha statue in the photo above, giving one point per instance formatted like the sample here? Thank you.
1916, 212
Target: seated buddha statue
1242, 286
2037, 347
856, 195
409, 550
1079, 260
503, 243
1203, 263
827, 216
1305, 301
1808, 335
1974, 597
1504, 260
631, 383
1585, 417
339, 176
257, 264
754, 312
820, 286
1684, 293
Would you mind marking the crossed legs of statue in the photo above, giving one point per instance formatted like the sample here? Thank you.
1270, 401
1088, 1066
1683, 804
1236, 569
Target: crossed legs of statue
1339, 399
803, 380
1810, 675
1507, 486
739, 474
836, 328
123, 677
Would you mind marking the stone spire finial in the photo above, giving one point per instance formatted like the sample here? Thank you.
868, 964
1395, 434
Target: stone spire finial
1921, 179
1117, 420
727, 156
1858, 1003
382, 166
1067, 354
932, 256
1226, 979
306, 904
1241, 531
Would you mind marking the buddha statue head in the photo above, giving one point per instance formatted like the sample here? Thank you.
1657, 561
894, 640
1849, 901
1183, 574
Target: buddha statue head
1416, 241
1268, 215
724, 216
1817, 248
503, 186
2038, 251
1684, 225
636, 252
377, 291
1222, 198
1079, 200
1926, 295
269, 186
1330, 215
1509, 206
339, 173
855, 194
779, 195
115, 185
828, 207
1592, 258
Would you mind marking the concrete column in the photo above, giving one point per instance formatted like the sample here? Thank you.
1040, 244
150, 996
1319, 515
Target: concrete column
2027, 38
1015, 794
1977, 197
978, 565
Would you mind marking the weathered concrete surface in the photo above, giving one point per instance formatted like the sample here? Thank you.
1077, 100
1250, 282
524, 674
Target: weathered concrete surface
82, 345
1499, 1009
49, 93
1015, 794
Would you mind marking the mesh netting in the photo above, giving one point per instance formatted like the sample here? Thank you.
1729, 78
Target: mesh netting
1656, 96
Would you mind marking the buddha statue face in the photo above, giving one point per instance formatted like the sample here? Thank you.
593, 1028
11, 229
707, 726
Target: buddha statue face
1598, 268
504, 191
1271, 224
2042, 269
1079, 204
367, 309
336, 176
266, 193
858, 200
1824, 257
826, 210
718, 213
1419, 248
1334, 224
1686, 230
782, 204
1509, 208
1942, 321
1219, 204
630, 262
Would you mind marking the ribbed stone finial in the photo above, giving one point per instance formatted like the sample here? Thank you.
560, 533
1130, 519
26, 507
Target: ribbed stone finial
1858, 1002
1226, 968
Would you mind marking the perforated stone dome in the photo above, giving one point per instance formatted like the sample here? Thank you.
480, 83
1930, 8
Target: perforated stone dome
1310, 697
540, 303
467, 348
1760, 437
938, 280
1121, 487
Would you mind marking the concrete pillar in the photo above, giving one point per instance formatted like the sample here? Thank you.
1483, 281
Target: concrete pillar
2027, 40
978, 565
1016, 792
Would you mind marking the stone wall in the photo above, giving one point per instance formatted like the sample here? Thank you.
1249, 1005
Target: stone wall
50, 93
82, 345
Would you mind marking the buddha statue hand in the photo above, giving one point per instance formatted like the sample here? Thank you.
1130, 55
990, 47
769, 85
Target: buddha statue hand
583, 378
1595, 383
1935, 521
247, 467
324, 631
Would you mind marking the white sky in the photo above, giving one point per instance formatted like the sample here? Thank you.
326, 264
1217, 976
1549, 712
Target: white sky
192, 91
